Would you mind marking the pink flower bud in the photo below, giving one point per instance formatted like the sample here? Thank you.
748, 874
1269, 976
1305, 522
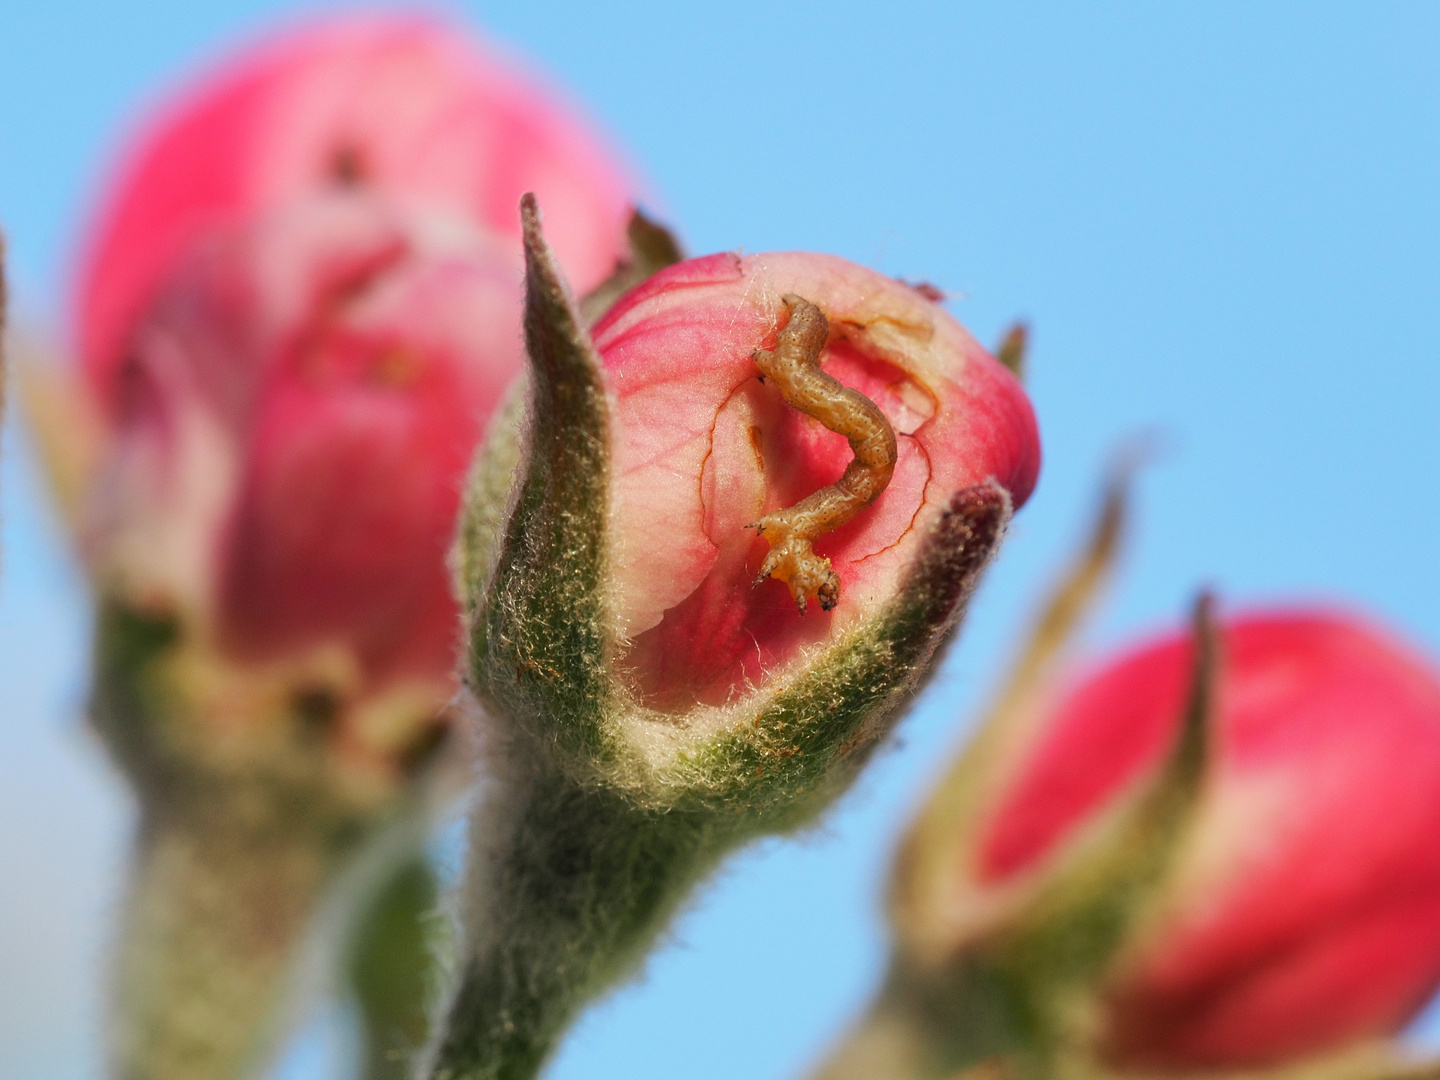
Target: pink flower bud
300, 306
1303, 911
292, 424
392, 103
657, 702
707, 447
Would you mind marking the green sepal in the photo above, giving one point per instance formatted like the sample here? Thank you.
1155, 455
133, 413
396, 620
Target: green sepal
486, 505
652, 248
783, 762
556, 338
538, 643
1014, 349
131, 705
1057, 952
922, 885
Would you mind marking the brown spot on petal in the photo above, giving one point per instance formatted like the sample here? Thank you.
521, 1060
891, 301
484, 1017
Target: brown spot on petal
346, 167
757, 444
930, 292
398, 367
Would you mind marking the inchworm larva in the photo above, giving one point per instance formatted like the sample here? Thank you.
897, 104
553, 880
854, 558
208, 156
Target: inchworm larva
794, 365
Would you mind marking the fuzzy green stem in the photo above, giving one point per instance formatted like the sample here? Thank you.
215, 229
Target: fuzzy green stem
933, 1025
220, 899
883, 1045
574, 885
245, 845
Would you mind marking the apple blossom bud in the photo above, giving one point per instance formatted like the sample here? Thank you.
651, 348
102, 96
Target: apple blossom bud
1296, 912
1304, 911
298, 309
397, 104
290, 425
276, 636
653, 703
704, 447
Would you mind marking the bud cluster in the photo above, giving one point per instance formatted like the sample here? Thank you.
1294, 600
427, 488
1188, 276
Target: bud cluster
357, 454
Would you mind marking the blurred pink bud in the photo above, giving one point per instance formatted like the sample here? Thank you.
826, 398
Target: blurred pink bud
292, 425
1303, 911
706, 447
396, 104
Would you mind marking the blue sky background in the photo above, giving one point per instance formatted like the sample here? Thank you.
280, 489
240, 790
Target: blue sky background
1224, 222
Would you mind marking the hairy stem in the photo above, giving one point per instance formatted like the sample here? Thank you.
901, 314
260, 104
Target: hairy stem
245, 844
572, 886
218, 904
931, 1026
